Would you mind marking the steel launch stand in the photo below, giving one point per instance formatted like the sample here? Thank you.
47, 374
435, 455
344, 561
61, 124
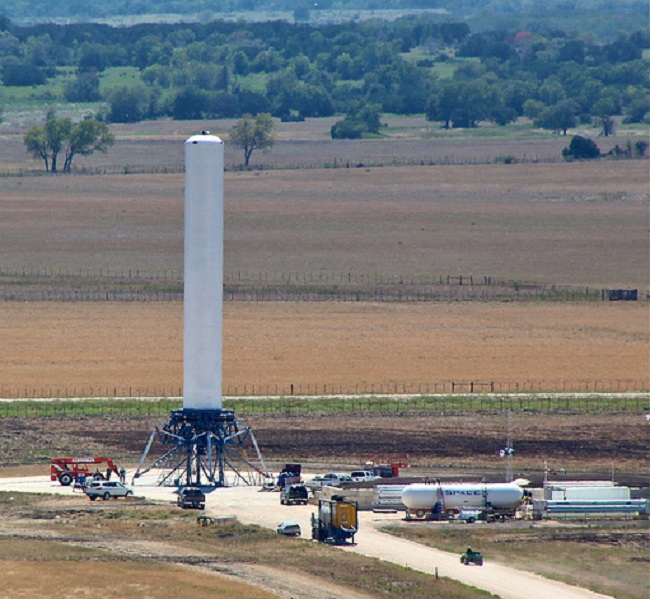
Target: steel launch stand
202, 446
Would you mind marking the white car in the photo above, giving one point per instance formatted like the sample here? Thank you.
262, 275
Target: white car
290, 528
469, 516
106, 489
361, 476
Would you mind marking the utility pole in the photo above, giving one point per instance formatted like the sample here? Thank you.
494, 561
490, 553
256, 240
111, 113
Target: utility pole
508, 452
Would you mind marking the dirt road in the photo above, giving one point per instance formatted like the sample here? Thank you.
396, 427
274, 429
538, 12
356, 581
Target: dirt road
251, 506
263, 509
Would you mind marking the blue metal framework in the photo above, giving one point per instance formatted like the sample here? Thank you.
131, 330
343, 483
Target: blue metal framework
202, 445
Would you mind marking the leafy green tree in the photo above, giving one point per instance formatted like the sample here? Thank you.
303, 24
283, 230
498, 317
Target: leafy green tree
607, 106
87, 137
61, 135
129, 104
95, 57
222, 105
83, 88
267, 61
442, 105
345, 66
465, 103
157, 74
239, 63
559, 117
22, 74
361, 118
250, 102
638, 108
533, 109
189, 103
581, 148
621, 50
38, 50
47, 141
35, 141
572, 50
399, 87
347, 129
149, 50
252, 134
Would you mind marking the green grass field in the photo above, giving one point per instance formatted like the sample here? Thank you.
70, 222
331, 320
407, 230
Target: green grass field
476, 403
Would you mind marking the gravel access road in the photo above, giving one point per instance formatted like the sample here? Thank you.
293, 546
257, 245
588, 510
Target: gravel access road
253, 506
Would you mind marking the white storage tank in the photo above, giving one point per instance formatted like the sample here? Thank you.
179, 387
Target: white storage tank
459, 495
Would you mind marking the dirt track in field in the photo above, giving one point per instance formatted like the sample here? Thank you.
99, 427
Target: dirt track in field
61, 347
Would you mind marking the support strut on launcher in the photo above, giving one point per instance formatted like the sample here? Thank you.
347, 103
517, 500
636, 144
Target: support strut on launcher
203, 446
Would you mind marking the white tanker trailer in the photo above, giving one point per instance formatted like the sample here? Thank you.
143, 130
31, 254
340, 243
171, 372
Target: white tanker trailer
438, 501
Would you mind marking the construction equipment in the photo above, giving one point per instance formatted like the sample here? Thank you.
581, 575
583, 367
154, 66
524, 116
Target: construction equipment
471, 557
336, 521
66, 470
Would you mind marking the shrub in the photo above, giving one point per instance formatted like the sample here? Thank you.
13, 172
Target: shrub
581, 148
348, 129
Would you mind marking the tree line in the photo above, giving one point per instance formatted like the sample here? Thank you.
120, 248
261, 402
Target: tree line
292, 71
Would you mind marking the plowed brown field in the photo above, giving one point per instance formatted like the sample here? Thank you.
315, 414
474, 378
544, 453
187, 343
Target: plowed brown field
568, 224
63, 346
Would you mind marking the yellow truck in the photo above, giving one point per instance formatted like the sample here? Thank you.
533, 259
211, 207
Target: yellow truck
336, 521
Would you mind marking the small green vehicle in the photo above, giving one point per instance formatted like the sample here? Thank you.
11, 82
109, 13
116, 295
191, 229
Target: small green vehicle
471, 557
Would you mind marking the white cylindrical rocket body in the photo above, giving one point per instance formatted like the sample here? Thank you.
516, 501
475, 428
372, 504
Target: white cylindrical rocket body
471, 495
203, 279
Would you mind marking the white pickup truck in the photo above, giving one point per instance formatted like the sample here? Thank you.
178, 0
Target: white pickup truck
361, 476
331, 479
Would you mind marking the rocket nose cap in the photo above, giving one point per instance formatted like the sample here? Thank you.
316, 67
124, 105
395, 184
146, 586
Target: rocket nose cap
203, 138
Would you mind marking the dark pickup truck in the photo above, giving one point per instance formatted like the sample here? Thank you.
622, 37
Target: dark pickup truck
191, 497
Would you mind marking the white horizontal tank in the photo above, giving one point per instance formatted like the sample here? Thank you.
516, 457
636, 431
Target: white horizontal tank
458, 495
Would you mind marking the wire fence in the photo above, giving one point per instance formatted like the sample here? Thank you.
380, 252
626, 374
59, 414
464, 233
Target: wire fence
393, 388
330, 162
60, 285
378, 405
616, 386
